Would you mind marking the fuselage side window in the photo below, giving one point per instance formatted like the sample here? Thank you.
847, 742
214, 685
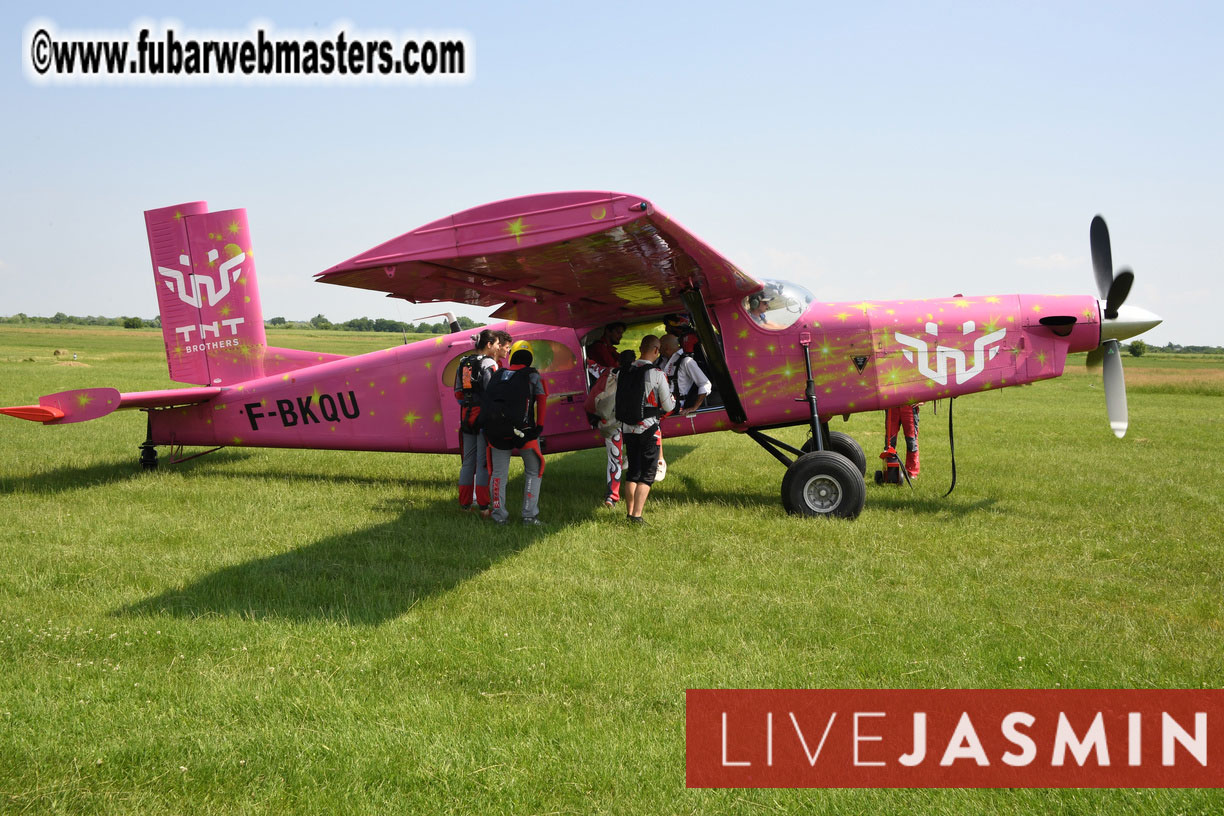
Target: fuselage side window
778, 305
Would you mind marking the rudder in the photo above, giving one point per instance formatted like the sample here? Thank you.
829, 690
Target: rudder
207, 293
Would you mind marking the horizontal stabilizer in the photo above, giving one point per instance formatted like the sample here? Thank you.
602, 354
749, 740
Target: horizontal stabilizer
91, 403
80, 405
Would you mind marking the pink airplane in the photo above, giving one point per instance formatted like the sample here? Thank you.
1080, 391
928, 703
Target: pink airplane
563, 265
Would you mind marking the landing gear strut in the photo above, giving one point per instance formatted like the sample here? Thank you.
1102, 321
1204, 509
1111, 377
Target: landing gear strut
148, 451
826, 478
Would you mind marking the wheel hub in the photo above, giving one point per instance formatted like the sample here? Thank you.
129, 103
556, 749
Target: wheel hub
822, 494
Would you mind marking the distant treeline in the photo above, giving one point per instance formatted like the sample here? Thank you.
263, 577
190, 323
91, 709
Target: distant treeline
317, 322
21, 318
1174, 348
382, 324
364, 324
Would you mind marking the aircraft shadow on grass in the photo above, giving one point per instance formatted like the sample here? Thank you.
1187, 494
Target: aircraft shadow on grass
68, 479
370, 576
366, 577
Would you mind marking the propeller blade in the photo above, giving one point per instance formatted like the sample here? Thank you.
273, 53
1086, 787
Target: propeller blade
1115, 388
1096, 358
1118, 290
1102, 256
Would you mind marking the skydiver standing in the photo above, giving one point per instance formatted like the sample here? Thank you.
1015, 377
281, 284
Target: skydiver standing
471, 379
688, 382
601, 406
515, 404
905, 419
642, 397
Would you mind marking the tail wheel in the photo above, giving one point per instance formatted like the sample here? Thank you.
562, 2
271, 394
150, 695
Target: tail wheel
823, 483
148, 456
844, 444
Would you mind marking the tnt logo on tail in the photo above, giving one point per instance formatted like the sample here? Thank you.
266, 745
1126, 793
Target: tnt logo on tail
962, 372
215, 294
204, 271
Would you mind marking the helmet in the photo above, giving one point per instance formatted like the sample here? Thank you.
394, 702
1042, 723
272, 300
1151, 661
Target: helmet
520, 353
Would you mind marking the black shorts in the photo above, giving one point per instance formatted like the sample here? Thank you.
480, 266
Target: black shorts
642, 455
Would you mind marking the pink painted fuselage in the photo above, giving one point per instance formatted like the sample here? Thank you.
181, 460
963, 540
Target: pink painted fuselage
865, 356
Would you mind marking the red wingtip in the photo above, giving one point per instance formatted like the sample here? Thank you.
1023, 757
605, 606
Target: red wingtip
34, 413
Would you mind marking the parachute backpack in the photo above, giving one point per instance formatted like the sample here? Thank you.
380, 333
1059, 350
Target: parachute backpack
631, 407
605, 405
505, 414
468, 390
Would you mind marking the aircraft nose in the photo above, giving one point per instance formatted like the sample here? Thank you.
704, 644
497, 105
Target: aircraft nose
1131, 321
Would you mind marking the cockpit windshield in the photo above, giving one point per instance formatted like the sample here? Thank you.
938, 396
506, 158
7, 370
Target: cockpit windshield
778, 305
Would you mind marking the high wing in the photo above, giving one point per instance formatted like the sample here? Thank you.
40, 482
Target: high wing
565, 259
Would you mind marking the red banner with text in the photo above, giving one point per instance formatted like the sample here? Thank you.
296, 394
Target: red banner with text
955, 738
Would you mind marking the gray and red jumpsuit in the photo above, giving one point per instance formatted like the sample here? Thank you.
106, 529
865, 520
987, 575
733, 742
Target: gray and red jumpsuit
474, 470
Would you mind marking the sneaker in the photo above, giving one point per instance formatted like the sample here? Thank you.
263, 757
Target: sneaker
661, 470
636, 519
533, 522
486, 513
465, 508
484, 507
609, 502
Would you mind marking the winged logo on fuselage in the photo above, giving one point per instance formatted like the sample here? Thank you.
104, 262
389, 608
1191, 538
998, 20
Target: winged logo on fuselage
984, 348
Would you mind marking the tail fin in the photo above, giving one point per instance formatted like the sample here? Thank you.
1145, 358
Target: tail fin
204, 270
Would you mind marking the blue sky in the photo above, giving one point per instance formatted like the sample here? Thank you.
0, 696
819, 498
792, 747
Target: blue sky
889, 150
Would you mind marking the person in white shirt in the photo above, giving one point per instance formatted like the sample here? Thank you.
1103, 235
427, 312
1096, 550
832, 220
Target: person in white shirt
688, 382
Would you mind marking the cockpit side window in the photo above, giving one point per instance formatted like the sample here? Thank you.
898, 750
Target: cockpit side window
778, 305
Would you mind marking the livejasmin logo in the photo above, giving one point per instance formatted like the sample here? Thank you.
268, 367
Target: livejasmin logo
965, 744
954, 738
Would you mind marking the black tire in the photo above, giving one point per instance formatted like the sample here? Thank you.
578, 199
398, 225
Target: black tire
823, 483
844, 444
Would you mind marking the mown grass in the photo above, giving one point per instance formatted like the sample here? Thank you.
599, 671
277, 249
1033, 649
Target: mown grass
299, 631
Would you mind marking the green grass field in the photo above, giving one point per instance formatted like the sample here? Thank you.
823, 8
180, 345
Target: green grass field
266, 631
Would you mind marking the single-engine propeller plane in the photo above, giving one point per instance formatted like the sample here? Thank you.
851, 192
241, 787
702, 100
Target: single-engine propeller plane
562, 265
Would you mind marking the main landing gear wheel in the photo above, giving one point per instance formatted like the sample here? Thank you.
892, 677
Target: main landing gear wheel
844, 444
823, 483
